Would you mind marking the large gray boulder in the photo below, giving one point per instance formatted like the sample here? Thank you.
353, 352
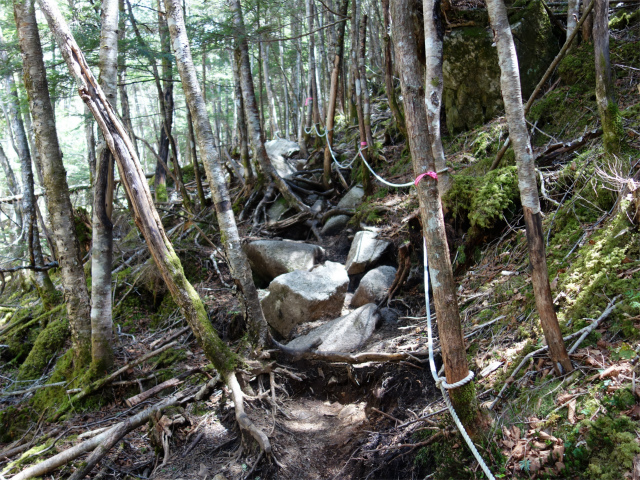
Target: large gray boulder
471, 72
344, 334
279, 151
366, 249
352, 198
374, 286
270, 258
304, 296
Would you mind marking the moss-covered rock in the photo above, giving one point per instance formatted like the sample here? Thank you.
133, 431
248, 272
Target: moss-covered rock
471, 72
49, 341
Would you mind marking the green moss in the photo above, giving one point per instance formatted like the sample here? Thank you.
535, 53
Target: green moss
49, 341
613, 132
14, 422
485, 200
161, 193
623, 19
609, 451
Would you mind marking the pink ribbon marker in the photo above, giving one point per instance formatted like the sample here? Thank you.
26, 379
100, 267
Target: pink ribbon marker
307, 101
433, 175
363, 144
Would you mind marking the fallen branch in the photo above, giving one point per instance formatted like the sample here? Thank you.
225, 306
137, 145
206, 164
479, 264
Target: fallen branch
172, 382
35, 268
32, 389
557, 149
104, 438
582, 334
103, 381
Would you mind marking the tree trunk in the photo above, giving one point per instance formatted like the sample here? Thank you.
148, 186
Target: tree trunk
35, 156
238, 262
275, 128
249, 177
511, 94
444, 294
194, 159
12, 184
125, 109
145, 215
364, 86
338, 50
366, 175
90, 138
352, 100
605, 97
251, 109
573, 12
55, 181
102, 247
398, 115
287, 123
433, 37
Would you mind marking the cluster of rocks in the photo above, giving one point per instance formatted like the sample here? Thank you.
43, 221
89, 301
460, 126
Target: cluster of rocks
303, 287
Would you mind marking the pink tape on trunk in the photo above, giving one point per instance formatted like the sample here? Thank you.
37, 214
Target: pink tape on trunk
433, 175
363, 144
307, 101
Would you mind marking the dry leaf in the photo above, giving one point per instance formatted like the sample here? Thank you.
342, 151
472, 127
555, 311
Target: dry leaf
558, 452
612, 371
545, 436
571, 415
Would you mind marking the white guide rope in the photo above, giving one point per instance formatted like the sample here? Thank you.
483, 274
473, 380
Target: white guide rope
441, 381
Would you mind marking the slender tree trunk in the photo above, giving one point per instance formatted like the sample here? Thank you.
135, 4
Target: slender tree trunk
35, 156
251, 109
353, 65
511, 94
366, 175
433, 37
125, 108
441, 275
605, 97
145, 215
238, 262
573, 12
338, 50
321, 66
313, 84
285, 86
55, 181
364, 85
90, 138
102, 247
12, 184
275, 128
249, 177
398, 115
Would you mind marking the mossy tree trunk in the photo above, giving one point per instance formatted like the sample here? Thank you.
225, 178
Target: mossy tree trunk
573, 12
145, 215
359, 86
55, 181
519, 135
434, 41
605, 98
441, 274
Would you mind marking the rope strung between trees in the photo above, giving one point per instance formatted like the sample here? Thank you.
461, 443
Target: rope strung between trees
441, 381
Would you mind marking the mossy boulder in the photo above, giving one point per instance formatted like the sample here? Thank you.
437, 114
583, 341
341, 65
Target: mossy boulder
50, 340
471, 72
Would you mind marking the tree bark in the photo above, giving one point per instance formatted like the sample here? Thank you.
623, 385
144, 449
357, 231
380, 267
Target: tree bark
573, 12
434, 37
285, 86
251, 109
273, 115
125, 108
398, 115
511, 94
366, 175
145, 215
444, 294
102, 247
249, 177
90, 138
353, 74
364, 85
55, 181
338, 50
194, 159
238, 262
605, 97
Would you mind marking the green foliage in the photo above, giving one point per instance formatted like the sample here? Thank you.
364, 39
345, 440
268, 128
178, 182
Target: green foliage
14, 422
483, 200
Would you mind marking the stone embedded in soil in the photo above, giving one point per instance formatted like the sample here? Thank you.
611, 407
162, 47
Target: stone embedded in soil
352, 198
344, 334
374, 286
335, 225
304, 296
365, 251
271, 258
